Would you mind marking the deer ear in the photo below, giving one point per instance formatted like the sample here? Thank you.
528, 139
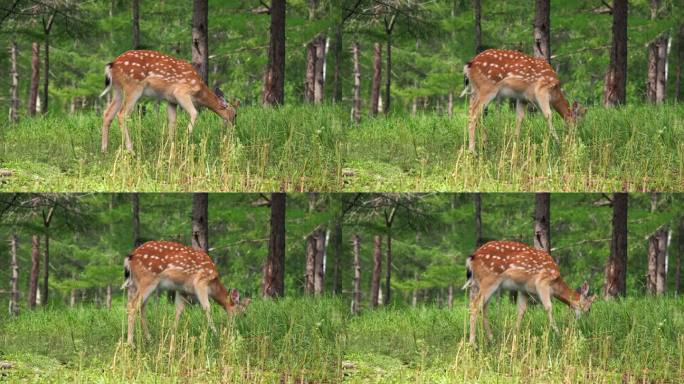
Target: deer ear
235, 295
584, 290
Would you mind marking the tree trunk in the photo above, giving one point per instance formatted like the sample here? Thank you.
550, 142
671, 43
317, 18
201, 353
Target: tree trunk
46, 266
450, 105
478, 27
108, 299
135, 205
35, 269
309, 277
477, 200
273, 284
542, 28
388, 72
319, 82
14, 85
200, 221
136, 23
310, 72
614, 91
72, 298
652, 77
14, 293
616, 268
319, 273
450, 297
388, 271
542, 221
274, 78
661, 259
377, 269
356, 97
356, 288
337, 249
200, 43
661, 80
35, 78
337, 52
678, 261
377, 74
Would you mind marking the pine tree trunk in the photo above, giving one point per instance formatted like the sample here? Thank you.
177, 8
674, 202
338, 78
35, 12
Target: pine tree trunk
46, 71
614, 91
356, 286
661, 259
200, 221
14, 85
309, 276
108, 299
273, 284
542, 221
478, 26
388, 74
542, 28
319, 273
356, 97
135, 215
46, 266
377, 269
200, 43
135, 4
35, 78
14, 293
652, 77
377, 73
388, 270
337, 52
274, 78
616, 268
477, 201
661, 80
678, 260
652, 276
337, 249
310, 72
319, 82
35, 270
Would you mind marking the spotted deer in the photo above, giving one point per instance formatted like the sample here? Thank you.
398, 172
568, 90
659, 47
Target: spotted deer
153, 74
512, 74
172, 266
518, 267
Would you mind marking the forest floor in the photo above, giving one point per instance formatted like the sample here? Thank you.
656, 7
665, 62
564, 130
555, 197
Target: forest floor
295, 148
635, 340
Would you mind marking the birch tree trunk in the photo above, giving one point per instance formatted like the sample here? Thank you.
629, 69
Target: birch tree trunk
35, 269
14, 293
356, 97
377, 269
35, 79
377, 74
356, 287
14, 84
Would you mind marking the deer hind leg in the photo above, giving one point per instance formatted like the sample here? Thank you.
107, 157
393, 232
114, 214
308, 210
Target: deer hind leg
108, 117
545, 298
185, 101
203, 297
520, 107
486, 290
522, 307
131, 97
545, 107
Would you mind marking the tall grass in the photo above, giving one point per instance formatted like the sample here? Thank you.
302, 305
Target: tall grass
295, 148
635, 340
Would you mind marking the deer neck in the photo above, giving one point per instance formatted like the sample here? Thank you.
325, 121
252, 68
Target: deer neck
567, 295
220, 294
561, 105
207, 98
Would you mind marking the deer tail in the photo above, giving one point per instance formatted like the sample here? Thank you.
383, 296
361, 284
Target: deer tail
108, 79
466, 80
127, 273
469, 274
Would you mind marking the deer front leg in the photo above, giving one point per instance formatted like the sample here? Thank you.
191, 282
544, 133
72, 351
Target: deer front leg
203, 297
545, 298
171, 114
522, 306
520, 107
545, 107
186, 103
180, 305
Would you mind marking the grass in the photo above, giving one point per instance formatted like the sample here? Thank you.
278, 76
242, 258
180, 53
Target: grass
636, 340
306, 148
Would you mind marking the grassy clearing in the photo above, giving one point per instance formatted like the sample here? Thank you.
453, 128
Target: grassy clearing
295, 148
636, 340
